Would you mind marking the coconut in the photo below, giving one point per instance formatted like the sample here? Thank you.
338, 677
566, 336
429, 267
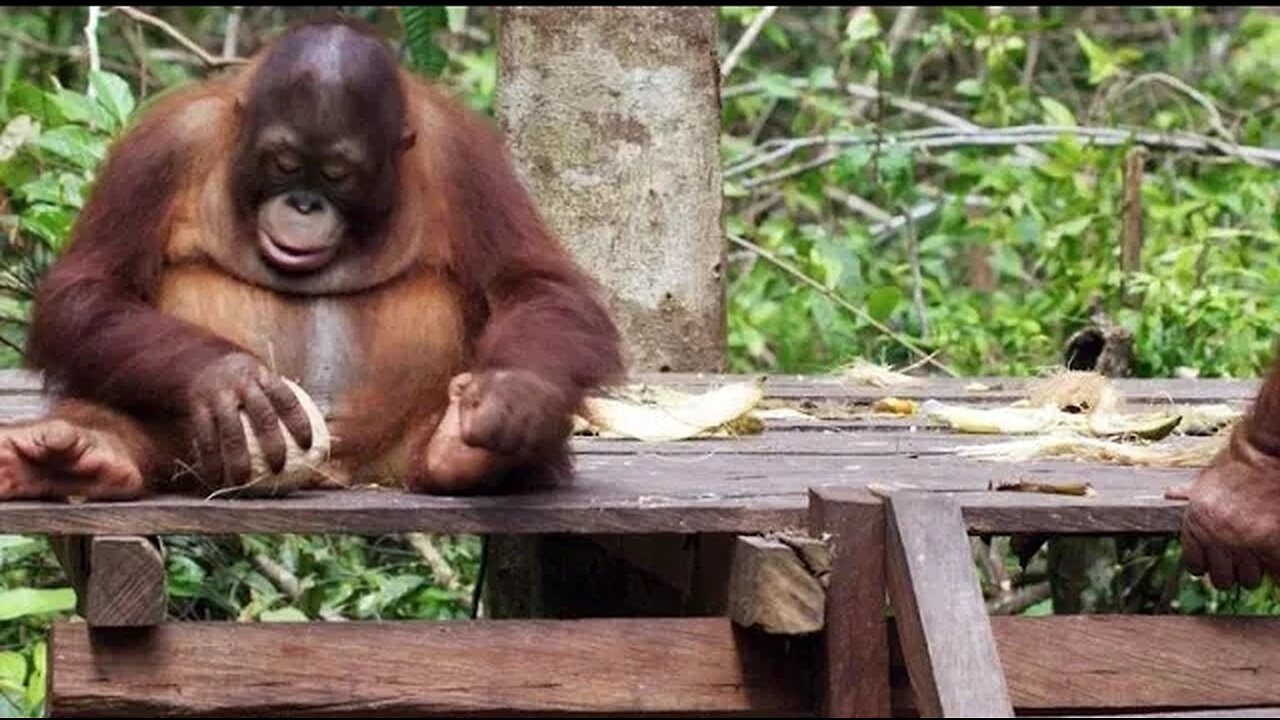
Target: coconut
302, 468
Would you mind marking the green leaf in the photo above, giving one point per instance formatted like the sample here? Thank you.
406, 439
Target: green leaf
36, 682
1055, 113
862, 26
75, 107
778, 86
284, 614
114, 96
1072, 228
457, 17
969, 87
50, 222
21, 602
1040, 609
13, 669
882, 301
75, 144
421, 22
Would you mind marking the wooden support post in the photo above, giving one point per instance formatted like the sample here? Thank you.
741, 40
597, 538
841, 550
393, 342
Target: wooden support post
613, 120
119, 580
855, 679
947, 642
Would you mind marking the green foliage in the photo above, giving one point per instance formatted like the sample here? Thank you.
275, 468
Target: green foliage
1007, 251
421, 22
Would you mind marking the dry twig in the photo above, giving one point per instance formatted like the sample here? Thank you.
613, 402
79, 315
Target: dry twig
748, 37
841, 302
209, 59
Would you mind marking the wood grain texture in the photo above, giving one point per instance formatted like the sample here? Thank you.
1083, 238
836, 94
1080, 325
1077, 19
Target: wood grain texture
947, 643
650, 493
1122, 662
775, 589
855, 678
695, 666
126, 582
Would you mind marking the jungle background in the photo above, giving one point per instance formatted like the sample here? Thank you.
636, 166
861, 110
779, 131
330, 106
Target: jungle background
985, 222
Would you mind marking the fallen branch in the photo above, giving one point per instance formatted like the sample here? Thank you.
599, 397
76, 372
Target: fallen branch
840, 301
209, 59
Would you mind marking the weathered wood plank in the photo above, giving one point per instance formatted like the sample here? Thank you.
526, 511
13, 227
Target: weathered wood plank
855, 678
779, 587
695, 666
946, 638
126, 582
652, 494
1122, 662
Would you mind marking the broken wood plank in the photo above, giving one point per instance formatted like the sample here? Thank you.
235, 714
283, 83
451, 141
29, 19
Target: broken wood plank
855, 681
779, 587
411, 668
947, 643
126, 583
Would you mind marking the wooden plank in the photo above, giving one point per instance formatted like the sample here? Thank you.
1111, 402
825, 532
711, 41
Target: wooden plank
946, 638
126, 582
778, 585
651, 494
1246, 712
403, 669
855, 677
1123, 662
72, 553
1134, 512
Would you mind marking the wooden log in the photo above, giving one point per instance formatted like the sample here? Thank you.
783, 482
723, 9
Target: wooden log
947, 643
779, 586
119, 580
855, 669
412, 669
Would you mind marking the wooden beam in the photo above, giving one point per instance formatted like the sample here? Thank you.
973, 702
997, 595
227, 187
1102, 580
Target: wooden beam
946, 638
119, 580
855, 677
777, 584
1121, 662
695, 666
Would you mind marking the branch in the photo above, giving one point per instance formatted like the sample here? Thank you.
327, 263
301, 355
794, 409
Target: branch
1215, 117
902, 22
285, 581
748, 36
856, 311
231, 38
205, 56
940, 138
441, 572
91, 40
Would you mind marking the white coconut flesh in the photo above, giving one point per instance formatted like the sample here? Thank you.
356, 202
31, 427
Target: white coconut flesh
302, 468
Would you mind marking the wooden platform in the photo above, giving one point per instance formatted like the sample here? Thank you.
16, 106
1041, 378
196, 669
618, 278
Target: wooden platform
747, 484
902, 627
